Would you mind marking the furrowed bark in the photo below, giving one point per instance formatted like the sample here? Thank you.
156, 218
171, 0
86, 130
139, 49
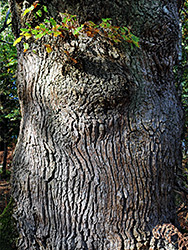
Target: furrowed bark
100, 140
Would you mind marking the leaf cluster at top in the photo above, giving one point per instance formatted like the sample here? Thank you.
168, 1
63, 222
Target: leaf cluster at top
70, 25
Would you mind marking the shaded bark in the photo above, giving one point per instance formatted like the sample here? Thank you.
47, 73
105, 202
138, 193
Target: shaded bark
99, 140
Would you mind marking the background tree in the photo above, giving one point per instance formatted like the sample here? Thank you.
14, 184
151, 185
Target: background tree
182, 85
100, 139
184, 70
9, 104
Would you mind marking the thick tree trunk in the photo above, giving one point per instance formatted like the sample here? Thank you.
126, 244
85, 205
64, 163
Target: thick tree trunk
100, 140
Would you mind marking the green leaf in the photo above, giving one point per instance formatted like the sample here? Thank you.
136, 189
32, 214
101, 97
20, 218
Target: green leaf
24, 29
27, 35
53, 22
28, 10
34, 32
92, 23
42, 26
50, 32
108, 25
64, 19
28, 24
134, 38
17, 40
57, 33
124, 30
124, 37
40, 35
46, 21
102, 25
8, 21
77, 30
105, 20
45, 9
26, 46
11, 63
39, 13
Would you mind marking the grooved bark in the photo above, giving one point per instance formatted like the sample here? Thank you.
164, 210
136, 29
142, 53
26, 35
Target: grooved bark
99, 140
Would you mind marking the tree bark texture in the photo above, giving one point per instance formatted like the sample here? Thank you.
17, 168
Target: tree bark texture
100, 140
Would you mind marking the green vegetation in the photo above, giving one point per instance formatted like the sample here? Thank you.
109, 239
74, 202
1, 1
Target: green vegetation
70, 27
9, 104
8, 233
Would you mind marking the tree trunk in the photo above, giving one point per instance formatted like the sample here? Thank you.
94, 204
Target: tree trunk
100, 140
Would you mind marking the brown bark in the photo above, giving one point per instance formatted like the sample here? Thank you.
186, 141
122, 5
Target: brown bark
100, 140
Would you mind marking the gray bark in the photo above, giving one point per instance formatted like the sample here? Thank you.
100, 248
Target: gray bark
99, 140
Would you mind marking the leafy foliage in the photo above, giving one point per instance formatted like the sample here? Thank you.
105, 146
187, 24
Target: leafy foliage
9, 105
70, 25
